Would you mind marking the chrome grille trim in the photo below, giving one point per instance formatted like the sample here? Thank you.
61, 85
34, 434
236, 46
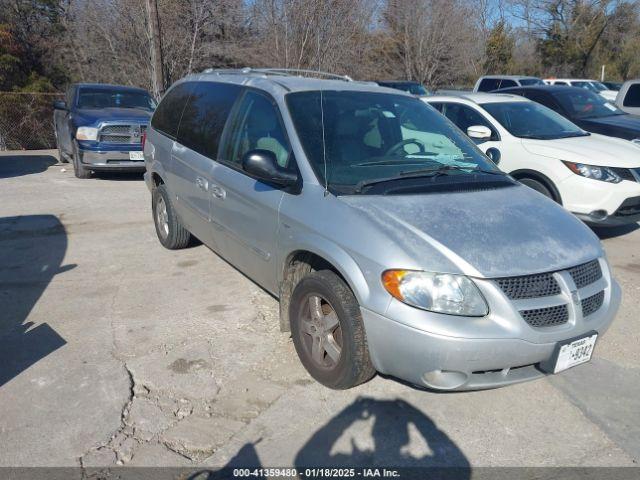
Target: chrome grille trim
122, 133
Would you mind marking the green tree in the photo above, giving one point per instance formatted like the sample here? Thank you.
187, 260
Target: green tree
499, 49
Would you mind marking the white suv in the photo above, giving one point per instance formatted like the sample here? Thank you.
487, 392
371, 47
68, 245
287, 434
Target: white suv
591, 85
595, 177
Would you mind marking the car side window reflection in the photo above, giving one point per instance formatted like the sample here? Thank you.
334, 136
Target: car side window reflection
258, 126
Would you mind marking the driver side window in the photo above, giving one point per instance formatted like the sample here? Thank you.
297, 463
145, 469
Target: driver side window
464, 117
258, 127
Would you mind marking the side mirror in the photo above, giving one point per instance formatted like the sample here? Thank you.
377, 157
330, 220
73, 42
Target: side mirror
494, 155
263, 165
60, 105
479, 132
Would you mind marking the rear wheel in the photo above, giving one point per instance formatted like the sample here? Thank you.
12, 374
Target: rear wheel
537, 186
328, 332
171, 233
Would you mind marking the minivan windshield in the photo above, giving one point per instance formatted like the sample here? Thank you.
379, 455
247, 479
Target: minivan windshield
373, 137
583, 104
532, 120
116, 98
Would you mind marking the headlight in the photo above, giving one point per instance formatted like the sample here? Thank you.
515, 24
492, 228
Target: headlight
594, 172
437, 292
87, 133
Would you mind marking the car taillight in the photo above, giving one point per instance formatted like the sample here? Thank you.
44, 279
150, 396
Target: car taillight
143, 138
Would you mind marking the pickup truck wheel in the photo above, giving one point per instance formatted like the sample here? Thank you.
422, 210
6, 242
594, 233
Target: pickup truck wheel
328, 332
537, 186
171, 233
78, 169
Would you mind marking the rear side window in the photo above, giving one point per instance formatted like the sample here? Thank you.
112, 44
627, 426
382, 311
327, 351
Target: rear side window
543, 99
488, 84
632, 98
167, 116
205, 115
508, 83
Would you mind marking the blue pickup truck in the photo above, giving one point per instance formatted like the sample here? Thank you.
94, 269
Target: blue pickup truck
99, 127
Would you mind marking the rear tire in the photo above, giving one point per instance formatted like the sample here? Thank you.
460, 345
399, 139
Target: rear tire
328, 331
171, 233
538, 187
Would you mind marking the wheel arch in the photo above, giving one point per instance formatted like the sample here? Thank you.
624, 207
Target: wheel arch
306, 258
540, 177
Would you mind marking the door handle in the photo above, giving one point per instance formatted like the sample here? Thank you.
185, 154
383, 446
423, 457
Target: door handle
202, 183
218, 192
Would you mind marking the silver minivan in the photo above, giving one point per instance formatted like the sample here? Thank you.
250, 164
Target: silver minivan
392, 243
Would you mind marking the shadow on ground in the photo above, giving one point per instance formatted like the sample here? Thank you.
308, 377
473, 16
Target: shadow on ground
32, 248
118, 176
401, 436
19, 165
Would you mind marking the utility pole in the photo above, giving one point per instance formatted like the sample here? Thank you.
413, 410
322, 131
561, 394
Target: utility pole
155, 40
602, 74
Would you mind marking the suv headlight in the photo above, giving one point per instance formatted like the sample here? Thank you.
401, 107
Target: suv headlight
87, 133
436, 292
594, 172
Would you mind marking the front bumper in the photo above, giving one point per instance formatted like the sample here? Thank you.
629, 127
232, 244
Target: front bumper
601, 203
628, 212
446, 362
111, 159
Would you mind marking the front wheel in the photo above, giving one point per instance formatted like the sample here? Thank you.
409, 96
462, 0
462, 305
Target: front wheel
537, 186
79, 169
328, 331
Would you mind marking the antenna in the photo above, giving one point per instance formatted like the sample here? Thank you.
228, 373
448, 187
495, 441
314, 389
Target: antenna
324, 148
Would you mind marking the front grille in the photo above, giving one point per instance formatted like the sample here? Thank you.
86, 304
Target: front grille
541, 285
530, 286
122, 133
592, 304
631, 206
586, 274
547, 316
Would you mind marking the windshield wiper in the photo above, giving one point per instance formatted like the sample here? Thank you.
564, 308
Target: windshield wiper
424, 173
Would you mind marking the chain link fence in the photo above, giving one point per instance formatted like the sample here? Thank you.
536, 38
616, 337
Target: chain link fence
26, 120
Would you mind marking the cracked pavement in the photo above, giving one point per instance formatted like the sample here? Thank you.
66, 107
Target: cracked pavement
115, 351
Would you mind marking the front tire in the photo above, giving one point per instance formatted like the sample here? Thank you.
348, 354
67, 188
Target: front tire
328, 331
79, 170
537, 186
171, 233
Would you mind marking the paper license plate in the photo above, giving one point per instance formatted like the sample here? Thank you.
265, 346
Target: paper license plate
575, 352
136, 156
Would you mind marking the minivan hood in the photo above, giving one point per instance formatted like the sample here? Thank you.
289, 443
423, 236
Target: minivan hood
95, 116
593, 150
492, 233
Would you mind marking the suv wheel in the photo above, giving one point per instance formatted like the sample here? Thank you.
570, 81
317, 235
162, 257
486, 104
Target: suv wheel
171, 233
537, 186
328, 332
80, 170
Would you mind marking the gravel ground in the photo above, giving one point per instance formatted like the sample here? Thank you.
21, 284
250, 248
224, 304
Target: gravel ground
115, 351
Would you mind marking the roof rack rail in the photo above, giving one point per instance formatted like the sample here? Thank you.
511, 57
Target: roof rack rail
277, 71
